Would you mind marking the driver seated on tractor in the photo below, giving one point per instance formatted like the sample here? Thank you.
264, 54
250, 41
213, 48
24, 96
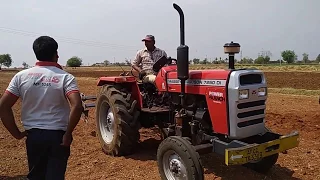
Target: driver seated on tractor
145, 58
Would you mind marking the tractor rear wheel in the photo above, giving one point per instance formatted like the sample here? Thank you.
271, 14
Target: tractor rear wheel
177, 159
115, 112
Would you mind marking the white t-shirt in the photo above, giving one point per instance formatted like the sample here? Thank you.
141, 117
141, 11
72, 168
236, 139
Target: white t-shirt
43, 90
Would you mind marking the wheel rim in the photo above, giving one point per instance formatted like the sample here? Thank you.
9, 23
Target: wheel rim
106, 122
174, 167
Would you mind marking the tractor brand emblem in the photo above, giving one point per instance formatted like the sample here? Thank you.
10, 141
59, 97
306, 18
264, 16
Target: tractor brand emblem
254, 92
217, 97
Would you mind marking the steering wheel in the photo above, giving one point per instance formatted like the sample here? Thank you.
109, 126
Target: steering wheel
161, 62
158, 65
172, 59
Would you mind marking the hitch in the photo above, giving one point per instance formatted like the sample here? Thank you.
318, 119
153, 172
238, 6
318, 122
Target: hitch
86, 106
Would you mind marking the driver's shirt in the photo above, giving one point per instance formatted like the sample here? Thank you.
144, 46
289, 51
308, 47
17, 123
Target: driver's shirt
145, 59
43, 90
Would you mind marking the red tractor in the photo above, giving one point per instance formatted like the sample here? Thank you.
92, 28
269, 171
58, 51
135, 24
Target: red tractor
197, 111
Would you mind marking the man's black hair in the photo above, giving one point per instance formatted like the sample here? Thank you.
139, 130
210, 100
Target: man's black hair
45, 48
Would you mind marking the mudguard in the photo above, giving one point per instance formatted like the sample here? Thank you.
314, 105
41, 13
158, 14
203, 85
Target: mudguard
123, 80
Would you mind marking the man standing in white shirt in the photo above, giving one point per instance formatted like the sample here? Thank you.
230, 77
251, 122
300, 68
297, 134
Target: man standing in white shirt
45, 91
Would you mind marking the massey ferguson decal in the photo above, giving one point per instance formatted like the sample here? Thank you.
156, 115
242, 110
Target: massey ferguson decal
217, 97
200, 82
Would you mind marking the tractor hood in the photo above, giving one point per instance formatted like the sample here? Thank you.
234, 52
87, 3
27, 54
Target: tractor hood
199, 75
167, 79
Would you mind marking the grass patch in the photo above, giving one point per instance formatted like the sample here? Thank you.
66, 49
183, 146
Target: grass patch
293, 91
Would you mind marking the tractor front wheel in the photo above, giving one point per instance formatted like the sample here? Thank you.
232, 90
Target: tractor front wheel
264, 165
177, 159
115, 113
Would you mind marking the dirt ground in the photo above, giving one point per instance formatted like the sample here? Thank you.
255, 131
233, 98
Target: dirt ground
285, 113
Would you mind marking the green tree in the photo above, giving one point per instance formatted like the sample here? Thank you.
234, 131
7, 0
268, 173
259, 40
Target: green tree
25, 65
305, 57
262, 60
205, 61
5, 60
106, 63
266, 59
289, 56
318, 58
196, 61
246, 60
74, 62
259, 60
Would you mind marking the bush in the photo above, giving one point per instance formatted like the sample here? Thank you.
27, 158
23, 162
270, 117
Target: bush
74, 62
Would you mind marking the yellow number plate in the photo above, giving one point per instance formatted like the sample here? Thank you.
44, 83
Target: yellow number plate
244, 155
255, 152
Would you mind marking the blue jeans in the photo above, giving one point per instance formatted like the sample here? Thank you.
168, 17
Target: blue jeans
47, 159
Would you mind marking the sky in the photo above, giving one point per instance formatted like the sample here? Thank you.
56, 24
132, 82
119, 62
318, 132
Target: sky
112, 30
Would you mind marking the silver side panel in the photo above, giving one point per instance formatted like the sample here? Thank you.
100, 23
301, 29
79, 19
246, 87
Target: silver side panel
247, 115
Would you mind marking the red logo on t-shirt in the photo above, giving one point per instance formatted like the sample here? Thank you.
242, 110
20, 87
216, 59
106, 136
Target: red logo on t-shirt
55, 79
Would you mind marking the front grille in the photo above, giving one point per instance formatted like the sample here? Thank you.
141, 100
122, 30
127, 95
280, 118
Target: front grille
251, 113
248, 79
251, 104
249, 123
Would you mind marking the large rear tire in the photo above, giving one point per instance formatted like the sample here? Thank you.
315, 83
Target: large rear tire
177, 159
115, 113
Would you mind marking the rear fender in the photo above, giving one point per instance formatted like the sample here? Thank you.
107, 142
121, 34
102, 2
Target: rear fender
129, 80
116, 79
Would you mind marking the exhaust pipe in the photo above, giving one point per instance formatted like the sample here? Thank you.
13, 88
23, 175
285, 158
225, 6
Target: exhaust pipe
182, 56
182, 37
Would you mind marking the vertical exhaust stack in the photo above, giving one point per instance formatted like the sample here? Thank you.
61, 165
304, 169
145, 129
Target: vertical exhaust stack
231, 49
182, 55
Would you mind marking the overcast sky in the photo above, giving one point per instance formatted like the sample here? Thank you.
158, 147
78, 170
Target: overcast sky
99, 30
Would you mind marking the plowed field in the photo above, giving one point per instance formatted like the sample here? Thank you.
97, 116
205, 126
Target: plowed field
285, 113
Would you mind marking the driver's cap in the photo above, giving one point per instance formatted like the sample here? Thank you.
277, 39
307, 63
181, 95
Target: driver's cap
149, 38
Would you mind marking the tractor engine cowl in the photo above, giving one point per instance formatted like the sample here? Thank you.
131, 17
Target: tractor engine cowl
247, 95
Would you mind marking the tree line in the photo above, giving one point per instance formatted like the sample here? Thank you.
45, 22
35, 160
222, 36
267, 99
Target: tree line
288, 56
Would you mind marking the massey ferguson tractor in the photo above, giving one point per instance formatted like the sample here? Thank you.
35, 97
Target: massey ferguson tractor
198, 111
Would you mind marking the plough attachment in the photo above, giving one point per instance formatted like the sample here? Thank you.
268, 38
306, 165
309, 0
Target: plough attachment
87, 106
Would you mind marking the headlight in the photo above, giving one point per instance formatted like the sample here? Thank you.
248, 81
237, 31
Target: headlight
244, 94
262, 91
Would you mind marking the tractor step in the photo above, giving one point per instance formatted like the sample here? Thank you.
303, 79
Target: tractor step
90, 105
86, 98
155, 110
